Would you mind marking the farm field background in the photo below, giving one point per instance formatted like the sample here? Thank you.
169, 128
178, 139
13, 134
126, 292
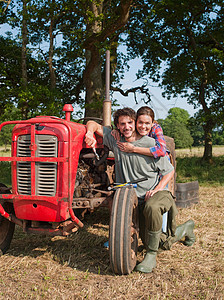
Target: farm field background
77, 267
198, 151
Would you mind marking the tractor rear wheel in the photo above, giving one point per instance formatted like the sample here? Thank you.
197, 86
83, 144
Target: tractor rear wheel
123, 240
6, 227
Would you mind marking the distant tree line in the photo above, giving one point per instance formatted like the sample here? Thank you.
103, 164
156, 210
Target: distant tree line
186, 131
178, 124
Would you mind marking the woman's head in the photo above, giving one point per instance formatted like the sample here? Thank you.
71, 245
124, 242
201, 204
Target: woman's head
144, 120
145, 110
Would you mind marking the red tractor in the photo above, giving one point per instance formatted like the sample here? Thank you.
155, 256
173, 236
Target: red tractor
54, 175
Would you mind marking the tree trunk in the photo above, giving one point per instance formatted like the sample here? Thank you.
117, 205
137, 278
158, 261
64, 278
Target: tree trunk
24, 80
94, 85
207, 156
92, 76
209, 122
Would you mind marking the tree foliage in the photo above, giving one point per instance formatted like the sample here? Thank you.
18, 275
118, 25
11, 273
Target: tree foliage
63, 45
185, 39
175, 126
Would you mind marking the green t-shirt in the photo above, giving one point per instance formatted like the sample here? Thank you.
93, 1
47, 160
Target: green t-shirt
132, 166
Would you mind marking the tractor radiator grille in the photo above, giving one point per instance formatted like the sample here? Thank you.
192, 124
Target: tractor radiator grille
45, 173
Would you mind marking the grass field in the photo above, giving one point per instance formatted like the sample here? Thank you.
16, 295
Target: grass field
77, 267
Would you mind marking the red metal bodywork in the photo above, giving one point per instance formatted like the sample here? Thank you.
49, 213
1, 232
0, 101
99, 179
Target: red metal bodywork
70, 142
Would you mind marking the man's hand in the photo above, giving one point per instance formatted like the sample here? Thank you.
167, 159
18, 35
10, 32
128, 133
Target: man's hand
125, 147
89, 139
149, 194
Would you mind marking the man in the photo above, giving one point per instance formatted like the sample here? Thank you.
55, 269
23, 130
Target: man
154, 198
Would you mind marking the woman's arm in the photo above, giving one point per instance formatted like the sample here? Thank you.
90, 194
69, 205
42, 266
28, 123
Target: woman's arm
128, 147
116, 134
157, 134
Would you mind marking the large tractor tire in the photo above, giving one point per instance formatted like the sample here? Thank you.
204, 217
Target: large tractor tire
124, 228
172, 155
6, 227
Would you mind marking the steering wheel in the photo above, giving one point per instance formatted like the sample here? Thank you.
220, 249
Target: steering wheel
98, 120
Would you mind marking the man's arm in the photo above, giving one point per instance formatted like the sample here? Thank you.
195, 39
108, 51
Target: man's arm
92, 127
160, 187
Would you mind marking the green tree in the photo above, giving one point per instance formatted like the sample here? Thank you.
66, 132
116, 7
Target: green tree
218, 135
10, 113
186, 39
77, 34
175, 126
36, 94
196, 131
100, 27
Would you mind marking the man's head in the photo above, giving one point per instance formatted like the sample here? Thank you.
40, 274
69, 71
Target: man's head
124, 120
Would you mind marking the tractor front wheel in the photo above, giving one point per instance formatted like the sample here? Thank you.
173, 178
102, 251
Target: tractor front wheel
123, 240
6, 227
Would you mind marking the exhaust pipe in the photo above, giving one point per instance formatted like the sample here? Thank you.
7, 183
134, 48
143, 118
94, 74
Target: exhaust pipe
107, 101
68, 110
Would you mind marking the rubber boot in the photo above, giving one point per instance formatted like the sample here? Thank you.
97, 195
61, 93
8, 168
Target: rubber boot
149, 261
185, 230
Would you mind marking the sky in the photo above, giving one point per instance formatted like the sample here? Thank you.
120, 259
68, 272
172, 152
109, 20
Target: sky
159, 104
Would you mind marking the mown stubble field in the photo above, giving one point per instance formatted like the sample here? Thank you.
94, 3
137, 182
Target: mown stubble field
77, 267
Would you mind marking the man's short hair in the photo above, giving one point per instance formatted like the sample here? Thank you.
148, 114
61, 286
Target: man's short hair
126, 111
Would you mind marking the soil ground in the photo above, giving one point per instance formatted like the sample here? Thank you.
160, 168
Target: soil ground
77, 267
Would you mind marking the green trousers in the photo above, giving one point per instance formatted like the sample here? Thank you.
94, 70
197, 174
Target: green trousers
151, 214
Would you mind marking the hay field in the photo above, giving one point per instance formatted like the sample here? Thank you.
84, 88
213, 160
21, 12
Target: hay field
198, 151
77, 267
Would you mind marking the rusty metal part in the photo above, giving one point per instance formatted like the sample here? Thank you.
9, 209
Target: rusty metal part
47, 231
57, 229
15, 220
101, 191
90, 203
74, 218
69, 227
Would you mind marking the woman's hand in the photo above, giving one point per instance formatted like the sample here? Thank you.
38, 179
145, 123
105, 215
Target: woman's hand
116, 134
125, 147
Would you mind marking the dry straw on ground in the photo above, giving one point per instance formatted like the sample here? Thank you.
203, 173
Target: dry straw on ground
199, 151
77, 267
